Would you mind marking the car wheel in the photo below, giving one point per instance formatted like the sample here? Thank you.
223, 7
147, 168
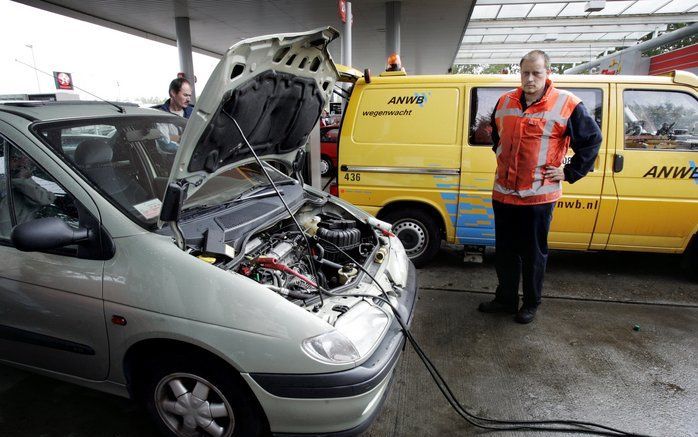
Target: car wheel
325, 166
187, 399
419, 233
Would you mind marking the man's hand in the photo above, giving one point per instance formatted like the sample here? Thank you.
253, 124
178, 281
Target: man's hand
554, 174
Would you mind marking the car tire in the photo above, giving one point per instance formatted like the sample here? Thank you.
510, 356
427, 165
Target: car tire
418, 231
175, 391
325, 166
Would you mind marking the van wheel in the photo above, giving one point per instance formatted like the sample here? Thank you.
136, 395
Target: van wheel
190, 398
325, 166
419, 233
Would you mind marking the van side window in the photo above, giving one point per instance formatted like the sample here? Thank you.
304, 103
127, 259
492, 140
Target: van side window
483, 101
592, 99
660, 120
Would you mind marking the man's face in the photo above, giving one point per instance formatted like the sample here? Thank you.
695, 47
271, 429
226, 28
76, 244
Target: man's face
183, 97
533, 75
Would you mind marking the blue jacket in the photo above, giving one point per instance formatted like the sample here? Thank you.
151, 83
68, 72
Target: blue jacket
166, 107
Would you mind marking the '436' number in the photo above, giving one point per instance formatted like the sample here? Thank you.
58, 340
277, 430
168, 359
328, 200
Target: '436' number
352, 177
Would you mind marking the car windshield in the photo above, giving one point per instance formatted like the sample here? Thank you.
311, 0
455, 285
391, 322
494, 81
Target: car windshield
234, 184
129, 160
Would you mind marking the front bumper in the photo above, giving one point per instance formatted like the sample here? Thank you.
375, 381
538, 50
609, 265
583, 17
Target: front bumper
339, 403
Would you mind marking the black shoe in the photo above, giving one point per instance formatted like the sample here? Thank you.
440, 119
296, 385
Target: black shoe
525, 315
495, 307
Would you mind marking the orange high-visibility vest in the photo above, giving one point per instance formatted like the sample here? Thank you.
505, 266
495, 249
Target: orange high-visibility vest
529, 141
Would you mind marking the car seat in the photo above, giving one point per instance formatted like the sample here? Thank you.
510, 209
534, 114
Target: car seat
94, 157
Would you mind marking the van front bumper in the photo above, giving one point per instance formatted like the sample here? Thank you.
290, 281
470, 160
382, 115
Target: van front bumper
338, 403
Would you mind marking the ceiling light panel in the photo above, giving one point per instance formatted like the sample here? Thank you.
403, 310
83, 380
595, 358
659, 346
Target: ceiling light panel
546, 10
484, 12
514, 11
677, 6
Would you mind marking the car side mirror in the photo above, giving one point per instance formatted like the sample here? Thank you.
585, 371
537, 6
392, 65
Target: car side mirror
172, 203
47, 233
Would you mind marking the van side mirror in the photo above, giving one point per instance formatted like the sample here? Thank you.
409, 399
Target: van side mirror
172, 203
47, 233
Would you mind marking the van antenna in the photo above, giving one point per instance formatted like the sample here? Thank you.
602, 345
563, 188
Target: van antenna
119, 108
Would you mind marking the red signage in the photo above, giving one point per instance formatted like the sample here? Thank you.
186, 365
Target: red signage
64, 81
342, 4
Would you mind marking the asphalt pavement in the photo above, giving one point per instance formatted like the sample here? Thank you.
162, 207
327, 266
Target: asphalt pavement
582, 358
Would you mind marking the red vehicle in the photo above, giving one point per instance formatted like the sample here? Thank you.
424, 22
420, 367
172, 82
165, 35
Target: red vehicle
328, 150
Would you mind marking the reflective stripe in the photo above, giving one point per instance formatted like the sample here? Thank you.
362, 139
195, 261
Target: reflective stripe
546, 189
550, 117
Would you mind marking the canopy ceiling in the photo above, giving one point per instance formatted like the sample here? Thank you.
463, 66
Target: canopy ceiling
430, 31
501, 31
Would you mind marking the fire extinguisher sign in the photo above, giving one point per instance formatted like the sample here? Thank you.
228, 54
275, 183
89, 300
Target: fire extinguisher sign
63, 80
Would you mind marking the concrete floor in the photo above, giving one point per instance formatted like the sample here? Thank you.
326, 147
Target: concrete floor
580, 359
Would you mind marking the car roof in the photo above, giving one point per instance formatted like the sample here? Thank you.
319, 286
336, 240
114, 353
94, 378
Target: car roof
51, 111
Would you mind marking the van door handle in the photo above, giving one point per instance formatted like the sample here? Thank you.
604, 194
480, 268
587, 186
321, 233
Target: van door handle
617, 163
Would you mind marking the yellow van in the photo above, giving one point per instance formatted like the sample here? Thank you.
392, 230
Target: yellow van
416, 151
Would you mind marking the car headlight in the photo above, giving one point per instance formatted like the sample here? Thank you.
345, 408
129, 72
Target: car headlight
331, 347
364, 324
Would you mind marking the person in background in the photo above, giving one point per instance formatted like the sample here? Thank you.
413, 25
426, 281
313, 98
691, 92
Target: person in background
180, 98
532, 127
178, 104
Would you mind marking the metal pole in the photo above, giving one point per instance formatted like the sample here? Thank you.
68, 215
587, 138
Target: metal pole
36, 72
392, 28
647, 45
186, 63
346, 38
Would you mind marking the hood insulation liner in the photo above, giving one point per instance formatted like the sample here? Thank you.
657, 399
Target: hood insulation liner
275, 110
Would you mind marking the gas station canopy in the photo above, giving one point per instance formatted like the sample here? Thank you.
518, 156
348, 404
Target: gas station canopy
501, 31
429, 31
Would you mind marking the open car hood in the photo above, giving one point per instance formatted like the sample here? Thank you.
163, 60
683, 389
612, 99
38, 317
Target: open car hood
275, 87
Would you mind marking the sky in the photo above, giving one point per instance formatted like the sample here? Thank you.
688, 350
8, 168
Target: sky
110, 64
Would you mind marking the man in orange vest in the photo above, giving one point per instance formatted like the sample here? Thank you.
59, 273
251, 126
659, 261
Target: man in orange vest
532, 128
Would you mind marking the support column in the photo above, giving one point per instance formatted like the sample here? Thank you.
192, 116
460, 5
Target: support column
186, 63
392, 27
346, 38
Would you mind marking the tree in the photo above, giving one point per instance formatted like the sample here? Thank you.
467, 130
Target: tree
675, 45
498, 68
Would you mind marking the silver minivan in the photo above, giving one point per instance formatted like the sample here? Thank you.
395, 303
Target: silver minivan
154, 261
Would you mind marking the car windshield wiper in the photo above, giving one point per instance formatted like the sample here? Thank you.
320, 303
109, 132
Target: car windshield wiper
265, 190
256, 192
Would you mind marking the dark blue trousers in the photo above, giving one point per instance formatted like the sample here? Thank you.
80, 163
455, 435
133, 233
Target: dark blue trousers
522, 251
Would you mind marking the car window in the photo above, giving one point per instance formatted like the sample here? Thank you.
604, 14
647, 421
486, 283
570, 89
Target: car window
664, 120
483, 100
29, 193
127, 159
329, 134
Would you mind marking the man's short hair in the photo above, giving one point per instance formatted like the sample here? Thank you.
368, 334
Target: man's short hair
535, 54
176, 85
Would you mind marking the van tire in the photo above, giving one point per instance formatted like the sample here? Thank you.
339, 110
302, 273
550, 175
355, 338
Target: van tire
419, 232
225, 390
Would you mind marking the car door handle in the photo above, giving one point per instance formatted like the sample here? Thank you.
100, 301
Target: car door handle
617, 163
